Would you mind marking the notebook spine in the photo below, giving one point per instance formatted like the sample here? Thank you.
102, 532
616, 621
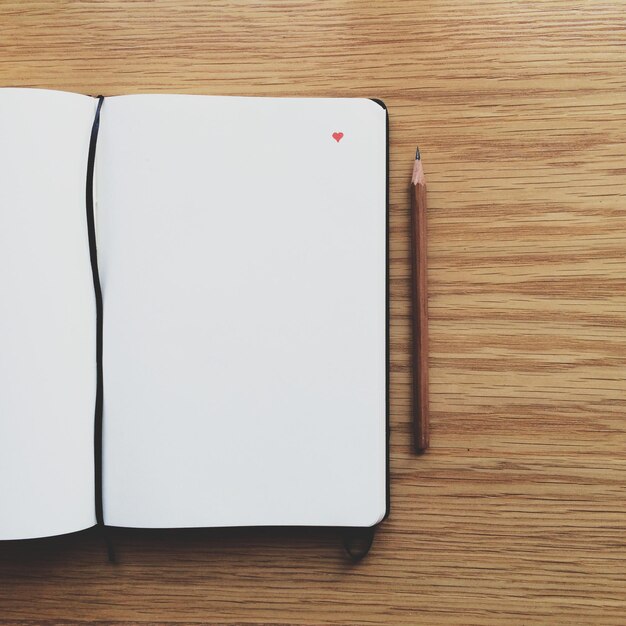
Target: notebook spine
93, 255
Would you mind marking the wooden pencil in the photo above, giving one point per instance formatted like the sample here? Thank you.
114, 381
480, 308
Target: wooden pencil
419, 289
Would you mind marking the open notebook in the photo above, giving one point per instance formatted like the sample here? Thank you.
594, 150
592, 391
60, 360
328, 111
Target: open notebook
241, 250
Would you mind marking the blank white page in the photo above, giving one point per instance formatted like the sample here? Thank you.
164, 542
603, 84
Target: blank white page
47, 316
242, 258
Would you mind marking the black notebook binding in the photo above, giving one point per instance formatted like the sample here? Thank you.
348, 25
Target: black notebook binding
93, 256
356, 541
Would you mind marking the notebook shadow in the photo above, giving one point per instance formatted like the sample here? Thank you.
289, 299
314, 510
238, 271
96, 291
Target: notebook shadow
150, 546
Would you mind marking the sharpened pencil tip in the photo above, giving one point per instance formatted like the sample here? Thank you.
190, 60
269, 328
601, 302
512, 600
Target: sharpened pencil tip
417, 154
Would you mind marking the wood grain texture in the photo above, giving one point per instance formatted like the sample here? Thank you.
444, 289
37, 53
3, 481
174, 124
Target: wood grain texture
517, 513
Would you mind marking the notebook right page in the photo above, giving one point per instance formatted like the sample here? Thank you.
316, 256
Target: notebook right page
242, 252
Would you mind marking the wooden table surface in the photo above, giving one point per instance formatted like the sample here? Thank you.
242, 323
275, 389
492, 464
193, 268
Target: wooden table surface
518, 512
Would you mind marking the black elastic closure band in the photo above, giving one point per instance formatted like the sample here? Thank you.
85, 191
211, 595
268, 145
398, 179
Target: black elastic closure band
93, 255
358, 541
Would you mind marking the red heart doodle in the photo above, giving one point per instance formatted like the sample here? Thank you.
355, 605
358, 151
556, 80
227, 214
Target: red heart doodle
337, 137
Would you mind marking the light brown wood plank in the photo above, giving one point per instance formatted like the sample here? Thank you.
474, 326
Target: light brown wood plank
517, 514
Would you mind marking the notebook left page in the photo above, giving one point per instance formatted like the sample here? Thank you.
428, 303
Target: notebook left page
47, 316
